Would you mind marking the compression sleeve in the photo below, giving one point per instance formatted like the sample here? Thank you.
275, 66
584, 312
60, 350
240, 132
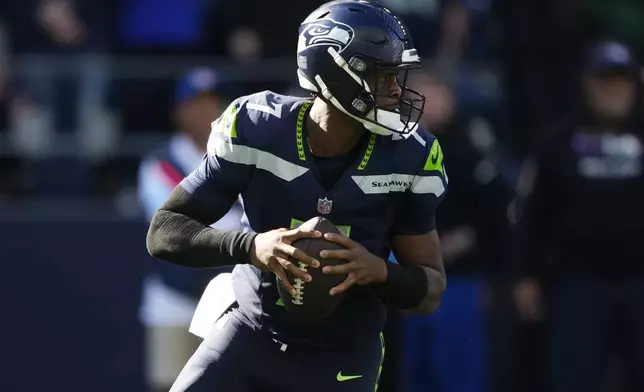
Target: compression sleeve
179, 233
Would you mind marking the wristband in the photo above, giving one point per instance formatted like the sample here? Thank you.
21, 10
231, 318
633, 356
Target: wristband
405, 287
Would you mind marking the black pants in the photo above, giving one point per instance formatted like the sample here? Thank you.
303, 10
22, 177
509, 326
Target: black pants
590, 318
234, 357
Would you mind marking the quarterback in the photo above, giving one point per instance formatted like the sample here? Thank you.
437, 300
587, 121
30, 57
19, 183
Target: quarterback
352, 153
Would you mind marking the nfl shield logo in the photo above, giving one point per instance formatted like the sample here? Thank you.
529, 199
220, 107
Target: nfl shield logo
324, 206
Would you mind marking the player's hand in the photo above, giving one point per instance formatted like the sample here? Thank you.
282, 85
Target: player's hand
362, 267
272, 252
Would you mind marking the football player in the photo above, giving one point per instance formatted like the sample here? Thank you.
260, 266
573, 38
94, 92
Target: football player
352, 153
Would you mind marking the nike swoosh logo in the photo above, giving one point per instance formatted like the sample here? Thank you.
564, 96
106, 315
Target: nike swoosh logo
342, 378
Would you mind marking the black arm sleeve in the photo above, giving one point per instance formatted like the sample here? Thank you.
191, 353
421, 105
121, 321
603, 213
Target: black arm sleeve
180, 233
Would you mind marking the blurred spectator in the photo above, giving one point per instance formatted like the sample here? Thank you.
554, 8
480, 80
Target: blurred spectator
63, 74
580, 226
541, 44
450, 347
171, 293
462, 47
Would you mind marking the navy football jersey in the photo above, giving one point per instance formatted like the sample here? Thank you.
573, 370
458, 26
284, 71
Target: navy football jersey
257, 150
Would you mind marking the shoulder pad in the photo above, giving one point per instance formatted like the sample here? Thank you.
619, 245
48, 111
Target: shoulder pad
422, 156
247, 118
267, 106
414, 152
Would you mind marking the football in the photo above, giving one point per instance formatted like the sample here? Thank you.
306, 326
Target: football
312, 302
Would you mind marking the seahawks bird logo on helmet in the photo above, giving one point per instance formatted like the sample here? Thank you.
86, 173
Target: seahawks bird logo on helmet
325, 32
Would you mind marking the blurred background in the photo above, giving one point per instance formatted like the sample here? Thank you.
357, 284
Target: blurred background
105, 106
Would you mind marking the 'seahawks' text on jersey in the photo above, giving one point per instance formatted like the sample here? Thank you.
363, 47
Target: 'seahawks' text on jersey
256, 150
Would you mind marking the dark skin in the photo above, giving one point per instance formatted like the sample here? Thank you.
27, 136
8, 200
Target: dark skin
364, 268
332, 133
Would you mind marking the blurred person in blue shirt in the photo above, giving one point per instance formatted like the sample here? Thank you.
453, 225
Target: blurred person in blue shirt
171, 292
447, 351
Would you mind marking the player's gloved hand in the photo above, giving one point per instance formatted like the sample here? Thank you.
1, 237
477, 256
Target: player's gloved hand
272, 252
362, 267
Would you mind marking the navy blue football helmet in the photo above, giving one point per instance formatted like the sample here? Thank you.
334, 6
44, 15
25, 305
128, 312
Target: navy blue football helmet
346, 45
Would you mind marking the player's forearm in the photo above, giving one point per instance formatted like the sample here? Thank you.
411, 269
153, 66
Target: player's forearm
179, 239
436, 285
414, 288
